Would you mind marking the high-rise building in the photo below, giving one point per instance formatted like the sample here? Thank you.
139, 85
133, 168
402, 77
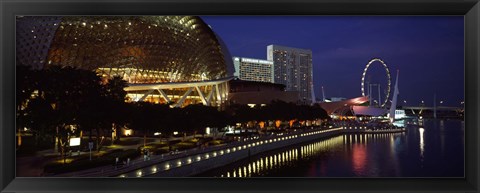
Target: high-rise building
293, 68
253, 69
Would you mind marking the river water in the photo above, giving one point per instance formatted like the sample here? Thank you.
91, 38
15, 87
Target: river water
434, 150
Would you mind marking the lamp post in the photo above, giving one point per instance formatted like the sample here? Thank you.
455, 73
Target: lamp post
435, 106
90, 147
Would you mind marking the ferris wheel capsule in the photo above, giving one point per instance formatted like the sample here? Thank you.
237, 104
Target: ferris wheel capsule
388, 79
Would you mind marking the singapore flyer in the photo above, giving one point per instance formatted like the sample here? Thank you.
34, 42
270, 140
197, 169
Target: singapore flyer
382, 101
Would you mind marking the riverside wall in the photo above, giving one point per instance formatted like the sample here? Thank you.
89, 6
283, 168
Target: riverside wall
189, 165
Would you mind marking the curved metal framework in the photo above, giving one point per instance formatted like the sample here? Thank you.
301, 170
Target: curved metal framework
180, 94
388, 79
141, 49
180, 54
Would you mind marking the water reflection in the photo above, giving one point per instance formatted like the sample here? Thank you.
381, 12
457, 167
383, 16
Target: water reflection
442, 136
422, 144
283, 159
359, 158
369, 155
356, 145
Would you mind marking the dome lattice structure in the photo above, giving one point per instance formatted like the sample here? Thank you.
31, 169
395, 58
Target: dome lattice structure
150, 51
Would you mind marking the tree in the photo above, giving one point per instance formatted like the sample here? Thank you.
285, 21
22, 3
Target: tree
39, 117
115, 103
73, 95
26, 85
200, 117
147, 117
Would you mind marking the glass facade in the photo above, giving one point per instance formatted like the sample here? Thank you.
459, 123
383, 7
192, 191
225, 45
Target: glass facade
140, 49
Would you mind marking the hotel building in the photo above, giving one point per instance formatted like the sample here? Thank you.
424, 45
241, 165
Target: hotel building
293, 68
253, 69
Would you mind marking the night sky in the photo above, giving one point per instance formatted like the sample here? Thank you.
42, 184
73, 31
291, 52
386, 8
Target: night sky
428, 50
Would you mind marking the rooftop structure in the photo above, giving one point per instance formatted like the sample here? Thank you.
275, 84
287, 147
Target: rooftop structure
165, 59
251, 92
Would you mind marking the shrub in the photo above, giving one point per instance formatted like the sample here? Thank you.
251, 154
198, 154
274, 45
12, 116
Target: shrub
216, 142
29, 145
82, 164
184, 145
128, 141
161, 150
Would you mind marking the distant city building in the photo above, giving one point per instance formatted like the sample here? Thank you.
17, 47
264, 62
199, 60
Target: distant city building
293, 68
253, 69
254, 93
335, 99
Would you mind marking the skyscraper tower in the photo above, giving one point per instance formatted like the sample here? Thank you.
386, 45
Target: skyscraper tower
293, 68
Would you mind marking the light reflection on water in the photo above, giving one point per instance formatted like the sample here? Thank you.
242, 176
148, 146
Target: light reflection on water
356, 142
422, 142
282, 159
431, 151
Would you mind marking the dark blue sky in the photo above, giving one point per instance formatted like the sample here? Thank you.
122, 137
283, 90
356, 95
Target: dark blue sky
428, 50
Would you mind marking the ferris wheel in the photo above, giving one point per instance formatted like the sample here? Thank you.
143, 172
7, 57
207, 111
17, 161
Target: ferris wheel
387, 72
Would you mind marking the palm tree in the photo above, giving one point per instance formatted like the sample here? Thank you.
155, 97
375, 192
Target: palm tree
115, 94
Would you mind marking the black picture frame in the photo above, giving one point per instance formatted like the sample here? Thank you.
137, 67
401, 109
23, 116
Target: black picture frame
9, 9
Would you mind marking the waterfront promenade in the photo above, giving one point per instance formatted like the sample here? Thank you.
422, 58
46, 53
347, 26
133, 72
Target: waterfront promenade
194, 161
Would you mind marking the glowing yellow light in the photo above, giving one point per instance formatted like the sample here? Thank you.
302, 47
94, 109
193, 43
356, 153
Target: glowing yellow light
261, 124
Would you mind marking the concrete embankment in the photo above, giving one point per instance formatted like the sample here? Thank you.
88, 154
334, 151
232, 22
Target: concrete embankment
198, 163
398, 130
193, 164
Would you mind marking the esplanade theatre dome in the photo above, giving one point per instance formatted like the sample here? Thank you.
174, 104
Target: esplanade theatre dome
175, 59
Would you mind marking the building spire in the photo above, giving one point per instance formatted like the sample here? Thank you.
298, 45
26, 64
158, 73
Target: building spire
394, 100
323, 93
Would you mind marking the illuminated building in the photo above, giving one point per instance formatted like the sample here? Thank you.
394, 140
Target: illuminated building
339, 107
164, 59
253, 69
254, 93
293, 68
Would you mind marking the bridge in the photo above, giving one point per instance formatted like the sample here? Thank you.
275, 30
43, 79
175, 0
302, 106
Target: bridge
441, 111
432, 108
